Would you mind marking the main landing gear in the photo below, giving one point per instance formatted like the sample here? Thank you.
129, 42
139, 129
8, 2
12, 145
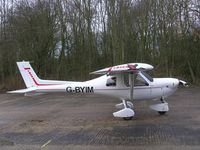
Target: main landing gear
126, 107
161, 108
126, 111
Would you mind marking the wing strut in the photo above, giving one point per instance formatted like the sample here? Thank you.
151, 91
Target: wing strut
132, 76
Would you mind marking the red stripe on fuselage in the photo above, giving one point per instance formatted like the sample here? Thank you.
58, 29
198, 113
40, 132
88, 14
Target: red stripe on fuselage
36, 83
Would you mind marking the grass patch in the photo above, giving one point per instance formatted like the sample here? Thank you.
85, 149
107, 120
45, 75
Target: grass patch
6, 142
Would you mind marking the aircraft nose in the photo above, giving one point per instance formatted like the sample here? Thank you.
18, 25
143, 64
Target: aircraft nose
174, 83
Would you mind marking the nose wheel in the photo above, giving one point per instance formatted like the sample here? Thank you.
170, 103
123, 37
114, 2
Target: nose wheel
161, 108
162, 112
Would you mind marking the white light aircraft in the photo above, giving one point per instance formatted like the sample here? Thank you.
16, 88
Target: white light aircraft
128, 82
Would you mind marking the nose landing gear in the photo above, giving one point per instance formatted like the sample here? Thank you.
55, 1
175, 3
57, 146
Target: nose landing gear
161, 108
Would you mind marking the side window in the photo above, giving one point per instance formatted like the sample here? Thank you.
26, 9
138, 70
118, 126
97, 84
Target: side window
111, 81
126, 79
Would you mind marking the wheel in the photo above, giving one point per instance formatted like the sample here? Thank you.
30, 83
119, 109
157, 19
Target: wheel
128, 118
162, 112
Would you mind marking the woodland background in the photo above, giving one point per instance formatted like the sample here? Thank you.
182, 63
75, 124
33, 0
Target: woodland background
67, 39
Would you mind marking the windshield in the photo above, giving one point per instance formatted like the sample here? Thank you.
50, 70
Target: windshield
147, 76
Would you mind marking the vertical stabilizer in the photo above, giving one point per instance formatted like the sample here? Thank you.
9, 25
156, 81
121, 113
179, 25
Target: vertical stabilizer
30, 77
28, 74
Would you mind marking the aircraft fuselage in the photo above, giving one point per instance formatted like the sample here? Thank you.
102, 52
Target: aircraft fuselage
160, 87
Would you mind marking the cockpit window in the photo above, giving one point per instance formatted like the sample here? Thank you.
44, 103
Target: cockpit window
111, 81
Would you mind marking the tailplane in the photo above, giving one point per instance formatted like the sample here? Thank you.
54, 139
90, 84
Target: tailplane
31, 80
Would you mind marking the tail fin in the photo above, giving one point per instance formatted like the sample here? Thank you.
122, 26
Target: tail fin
31, 79
28, 74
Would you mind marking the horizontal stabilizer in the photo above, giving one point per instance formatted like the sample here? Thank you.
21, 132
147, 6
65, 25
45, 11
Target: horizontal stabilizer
31, 94
32, 89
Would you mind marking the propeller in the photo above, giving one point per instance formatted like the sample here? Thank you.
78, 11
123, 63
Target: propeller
183, 83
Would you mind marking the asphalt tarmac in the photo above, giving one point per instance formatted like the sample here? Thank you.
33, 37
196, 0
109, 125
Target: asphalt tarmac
64, 121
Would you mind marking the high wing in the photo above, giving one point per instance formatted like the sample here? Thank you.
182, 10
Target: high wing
124, 68
130, 68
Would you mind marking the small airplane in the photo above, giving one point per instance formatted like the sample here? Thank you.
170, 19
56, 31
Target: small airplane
128, 82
